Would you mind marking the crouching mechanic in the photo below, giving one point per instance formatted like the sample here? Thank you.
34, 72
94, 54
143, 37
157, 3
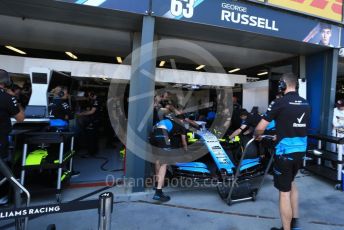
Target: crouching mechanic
168, 133
292, 115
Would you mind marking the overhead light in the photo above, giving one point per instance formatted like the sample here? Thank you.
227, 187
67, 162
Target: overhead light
119, 60
15, 49
253, 78
162, 63
263, 73
234, 70
70, 54
91, 2
200, 67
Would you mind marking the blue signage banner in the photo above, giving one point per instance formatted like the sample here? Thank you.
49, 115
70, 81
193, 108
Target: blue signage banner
248, 17
134, 6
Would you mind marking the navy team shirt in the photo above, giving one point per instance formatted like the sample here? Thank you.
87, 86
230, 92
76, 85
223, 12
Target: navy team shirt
292, 117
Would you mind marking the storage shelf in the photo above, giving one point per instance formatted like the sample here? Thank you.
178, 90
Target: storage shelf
328, 155
323, 171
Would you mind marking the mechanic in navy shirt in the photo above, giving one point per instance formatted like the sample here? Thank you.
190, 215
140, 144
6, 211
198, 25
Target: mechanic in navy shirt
292, 116
248, 124
59, 107
89, 121
9, 107
168, 133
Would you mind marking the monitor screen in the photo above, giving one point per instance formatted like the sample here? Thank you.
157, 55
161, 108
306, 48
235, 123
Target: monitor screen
39, 78
35, 111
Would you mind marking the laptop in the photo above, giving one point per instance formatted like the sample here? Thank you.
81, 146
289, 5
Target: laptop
35, 111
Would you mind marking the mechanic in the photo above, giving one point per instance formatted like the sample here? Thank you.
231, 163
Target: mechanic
61, 112
338, 123
248, 124
89, 122
292, 116
9, 107
167, 133
59, 107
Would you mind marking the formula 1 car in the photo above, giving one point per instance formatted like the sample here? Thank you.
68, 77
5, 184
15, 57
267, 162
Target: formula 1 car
237, 178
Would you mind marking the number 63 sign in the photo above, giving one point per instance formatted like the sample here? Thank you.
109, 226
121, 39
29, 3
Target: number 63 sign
182, 8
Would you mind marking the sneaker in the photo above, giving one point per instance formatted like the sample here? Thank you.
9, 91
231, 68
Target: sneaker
274, 228
75, 173
162, 197
3, 200
295, 225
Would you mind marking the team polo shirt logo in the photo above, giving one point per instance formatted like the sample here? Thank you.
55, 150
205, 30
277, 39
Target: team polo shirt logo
299, 119
299, 124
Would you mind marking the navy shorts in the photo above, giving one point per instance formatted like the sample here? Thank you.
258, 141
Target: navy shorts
285, 169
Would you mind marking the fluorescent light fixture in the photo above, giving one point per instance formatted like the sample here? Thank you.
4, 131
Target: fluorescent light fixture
200, 67
15, 49
91, 2
70, 54
119, 60
234, 70
253, 78
162, 63
263, 73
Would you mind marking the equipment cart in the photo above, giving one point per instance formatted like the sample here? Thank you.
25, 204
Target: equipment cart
325, 163
42, 160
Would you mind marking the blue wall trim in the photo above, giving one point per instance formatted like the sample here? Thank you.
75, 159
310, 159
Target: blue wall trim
314, 73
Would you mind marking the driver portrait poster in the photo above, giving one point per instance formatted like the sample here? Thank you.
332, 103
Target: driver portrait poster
249, 17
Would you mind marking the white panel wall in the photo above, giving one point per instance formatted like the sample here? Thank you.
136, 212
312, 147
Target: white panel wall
256, 94
303, 89
199, 78
93, 69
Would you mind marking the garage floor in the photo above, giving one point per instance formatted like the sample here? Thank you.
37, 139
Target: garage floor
321, 208
97, 168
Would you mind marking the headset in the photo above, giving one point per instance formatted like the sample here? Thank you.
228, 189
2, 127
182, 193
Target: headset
5, 78
61, 93
282, 86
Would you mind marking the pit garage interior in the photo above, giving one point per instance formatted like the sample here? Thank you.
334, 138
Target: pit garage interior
45, 30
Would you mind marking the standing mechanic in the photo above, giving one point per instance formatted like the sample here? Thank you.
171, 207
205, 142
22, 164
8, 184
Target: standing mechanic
292, 115
167, 133
59, 106
338, 123
61, 111
89, 122
8, 108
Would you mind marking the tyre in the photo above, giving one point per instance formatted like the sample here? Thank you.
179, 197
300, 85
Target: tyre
223, 190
